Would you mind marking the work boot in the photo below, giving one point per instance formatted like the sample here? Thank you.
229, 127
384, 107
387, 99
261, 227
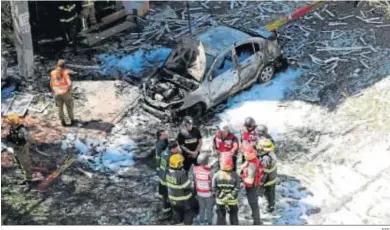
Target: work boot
73, 122
63, 123
271, 208
165, 216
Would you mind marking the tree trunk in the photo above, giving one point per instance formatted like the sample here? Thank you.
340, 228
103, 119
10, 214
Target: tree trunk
23, 40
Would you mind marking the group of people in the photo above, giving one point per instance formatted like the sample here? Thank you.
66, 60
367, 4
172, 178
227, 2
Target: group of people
86, 11
184, 199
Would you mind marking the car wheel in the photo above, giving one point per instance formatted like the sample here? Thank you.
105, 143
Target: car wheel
266, 73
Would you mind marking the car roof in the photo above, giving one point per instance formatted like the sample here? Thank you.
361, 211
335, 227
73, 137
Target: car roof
217, 39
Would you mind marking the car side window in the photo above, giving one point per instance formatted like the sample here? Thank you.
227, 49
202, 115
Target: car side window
244, 51
223, 64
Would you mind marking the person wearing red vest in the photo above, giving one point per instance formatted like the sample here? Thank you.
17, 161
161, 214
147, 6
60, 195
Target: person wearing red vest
61, 86
249, 133
202, 177
251, 174
226, 142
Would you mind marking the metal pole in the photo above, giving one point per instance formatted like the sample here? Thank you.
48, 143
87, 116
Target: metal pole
189, 16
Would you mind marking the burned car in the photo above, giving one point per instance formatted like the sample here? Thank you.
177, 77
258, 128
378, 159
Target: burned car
203, 72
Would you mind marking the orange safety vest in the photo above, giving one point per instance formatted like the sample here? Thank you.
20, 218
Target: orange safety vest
59, 81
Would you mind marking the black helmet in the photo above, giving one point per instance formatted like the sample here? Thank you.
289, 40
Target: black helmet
188, 120
262, 129
172, 144
250, 122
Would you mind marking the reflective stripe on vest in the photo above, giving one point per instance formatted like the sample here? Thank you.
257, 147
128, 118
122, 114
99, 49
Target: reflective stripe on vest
59, 81
180, 198
69, 19
226, 202
269, 183
162, 182
181, 186
67, 8
270, 170
202, 181
88, 3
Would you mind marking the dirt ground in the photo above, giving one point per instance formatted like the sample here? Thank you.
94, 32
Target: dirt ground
334, 152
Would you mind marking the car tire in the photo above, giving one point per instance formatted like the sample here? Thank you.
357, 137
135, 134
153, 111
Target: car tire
266, 74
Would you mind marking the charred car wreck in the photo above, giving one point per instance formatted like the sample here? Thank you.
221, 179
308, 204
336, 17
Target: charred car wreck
200, 73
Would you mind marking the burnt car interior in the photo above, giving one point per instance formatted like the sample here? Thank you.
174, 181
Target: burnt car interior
173, 81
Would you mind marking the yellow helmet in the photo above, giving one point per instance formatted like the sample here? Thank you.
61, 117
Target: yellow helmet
176, 161
12, 119
265, 145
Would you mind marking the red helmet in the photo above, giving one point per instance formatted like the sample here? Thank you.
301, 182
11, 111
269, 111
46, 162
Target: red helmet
226, 163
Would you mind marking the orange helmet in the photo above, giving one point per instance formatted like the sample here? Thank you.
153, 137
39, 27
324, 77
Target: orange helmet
226, 163
249, 152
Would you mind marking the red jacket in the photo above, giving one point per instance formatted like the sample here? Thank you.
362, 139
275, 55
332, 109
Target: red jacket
226, 144
250, 136
202, 175
258, 173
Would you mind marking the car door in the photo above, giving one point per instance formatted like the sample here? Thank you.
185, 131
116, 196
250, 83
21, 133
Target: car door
223, 78
248, 61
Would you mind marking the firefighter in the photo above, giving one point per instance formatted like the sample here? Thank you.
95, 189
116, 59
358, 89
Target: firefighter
161, 144
162, 169
20, 140
179, 191
190, 141
226, 142
68, 15
269, 161
88, 17
61, 86
251, 174
202, 179
262, 131
225, 187
249, 134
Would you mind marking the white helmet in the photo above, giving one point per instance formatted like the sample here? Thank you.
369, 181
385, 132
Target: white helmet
224, 126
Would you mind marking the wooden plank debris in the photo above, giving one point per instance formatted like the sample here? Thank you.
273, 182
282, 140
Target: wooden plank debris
330, 13
94, 38
318, 16
369, 21
364, 64
204, 5
353, 48
380, 26
345, 17
337, 24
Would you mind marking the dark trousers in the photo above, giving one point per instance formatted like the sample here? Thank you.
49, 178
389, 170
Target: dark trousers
221, 214
163, 191
182, 213
188, 162
69, 32
252, 195
269, 193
